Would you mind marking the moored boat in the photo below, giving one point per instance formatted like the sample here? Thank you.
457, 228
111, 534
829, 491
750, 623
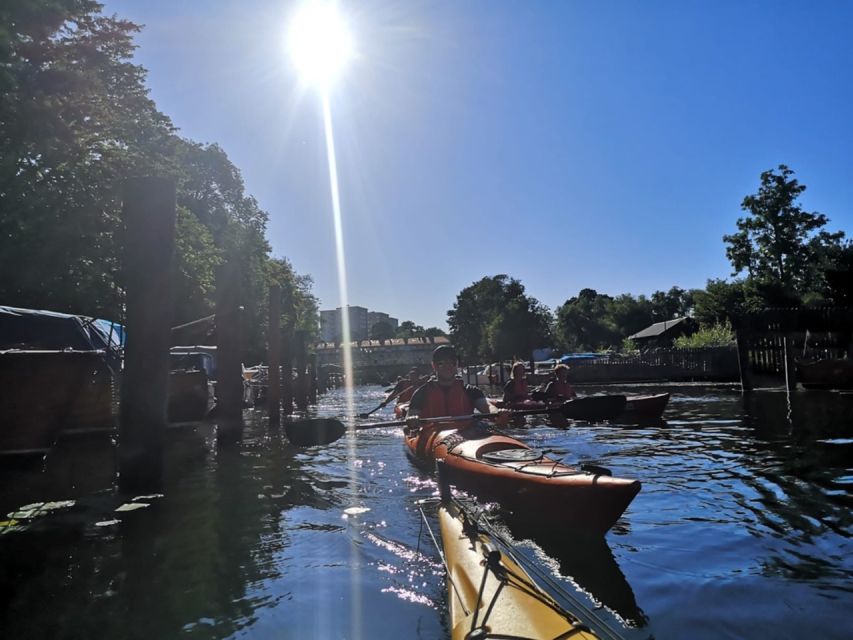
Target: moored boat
490, 595
522, 479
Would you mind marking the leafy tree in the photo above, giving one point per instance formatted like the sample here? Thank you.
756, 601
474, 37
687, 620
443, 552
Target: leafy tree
627, 315
675, 303
381, 331
75, 119
493, 318
583, 322
778, 243
409, 329
299, 305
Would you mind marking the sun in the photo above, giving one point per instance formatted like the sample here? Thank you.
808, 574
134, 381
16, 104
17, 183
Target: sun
319, 42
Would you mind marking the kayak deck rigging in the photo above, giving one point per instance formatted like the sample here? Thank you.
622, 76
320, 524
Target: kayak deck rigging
491, 591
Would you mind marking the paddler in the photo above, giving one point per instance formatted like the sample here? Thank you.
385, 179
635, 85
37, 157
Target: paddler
515, 389
445, 394
408, 387
559, 388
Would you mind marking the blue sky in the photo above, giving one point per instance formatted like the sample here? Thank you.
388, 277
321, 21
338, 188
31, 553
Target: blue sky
568, 144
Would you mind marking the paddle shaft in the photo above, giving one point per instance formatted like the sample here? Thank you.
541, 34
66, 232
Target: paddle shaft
472, 416
318, 431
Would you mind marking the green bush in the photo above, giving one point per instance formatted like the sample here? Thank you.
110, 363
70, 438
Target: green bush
716, 335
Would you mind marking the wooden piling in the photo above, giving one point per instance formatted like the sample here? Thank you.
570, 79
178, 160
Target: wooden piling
300, 358
312, 379
746, 383
790, 361
229, 369
287, 352
148, 213
274, 356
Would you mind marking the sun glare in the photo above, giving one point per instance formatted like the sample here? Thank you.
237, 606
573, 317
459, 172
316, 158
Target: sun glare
319, 42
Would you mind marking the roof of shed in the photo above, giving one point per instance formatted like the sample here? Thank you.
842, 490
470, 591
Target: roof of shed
658, 328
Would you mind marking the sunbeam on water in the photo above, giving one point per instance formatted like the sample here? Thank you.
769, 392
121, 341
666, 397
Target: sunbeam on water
345, 326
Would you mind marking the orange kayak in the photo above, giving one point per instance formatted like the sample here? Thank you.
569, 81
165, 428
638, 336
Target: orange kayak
498, 467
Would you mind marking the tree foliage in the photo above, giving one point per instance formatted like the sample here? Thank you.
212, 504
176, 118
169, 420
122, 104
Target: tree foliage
594, 321
75, 122
493, 318
382, 331
715, 335
409, 329
782, 248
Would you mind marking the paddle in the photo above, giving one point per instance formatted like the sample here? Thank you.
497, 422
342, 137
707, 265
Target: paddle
317, 431
382, 404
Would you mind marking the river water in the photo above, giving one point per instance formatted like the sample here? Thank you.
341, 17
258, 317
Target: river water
742, 530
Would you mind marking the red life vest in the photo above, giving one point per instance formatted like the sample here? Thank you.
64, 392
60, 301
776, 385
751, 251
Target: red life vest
446, 401
407, 394
560, 389
519, 389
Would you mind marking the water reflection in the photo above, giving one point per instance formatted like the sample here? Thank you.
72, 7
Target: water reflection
745, 508
589, 563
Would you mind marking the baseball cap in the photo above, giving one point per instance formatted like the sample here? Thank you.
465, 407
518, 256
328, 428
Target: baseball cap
443, 352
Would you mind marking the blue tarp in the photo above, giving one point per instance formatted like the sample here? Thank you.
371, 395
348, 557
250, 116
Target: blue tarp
580, 356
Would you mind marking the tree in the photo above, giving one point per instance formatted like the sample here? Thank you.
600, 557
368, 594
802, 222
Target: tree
778, 241
675, 303
493, 318
409, 329
627, 315
75, 120
584, 323
381, 331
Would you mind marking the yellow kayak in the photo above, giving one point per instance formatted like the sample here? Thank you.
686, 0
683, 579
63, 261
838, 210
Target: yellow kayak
489, 594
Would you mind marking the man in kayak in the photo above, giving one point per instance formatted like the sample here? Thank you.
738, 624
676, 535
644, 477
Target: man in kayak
405, 387
446, 395
559, 388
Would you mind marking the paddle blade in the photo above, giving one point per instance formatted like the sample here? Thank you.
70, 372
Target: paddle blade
313, 432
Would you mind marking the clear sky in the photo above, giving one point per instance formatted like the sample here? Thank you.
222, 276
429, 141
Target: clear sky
567, 144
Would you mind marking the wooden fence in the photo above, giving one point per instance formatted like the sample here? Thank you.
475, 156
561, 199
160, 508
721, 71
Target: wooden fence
663, 365
771, 342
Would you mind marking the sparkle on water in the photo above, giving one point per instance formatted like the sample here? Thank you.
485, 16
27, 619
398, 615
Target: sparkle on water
320, 47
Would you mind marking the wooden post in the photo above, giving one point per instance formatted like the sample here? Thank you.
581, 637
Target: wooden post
301, 361
229, 369
312, 379
790, 362
287, 354
743, 362
149, 221
274, 356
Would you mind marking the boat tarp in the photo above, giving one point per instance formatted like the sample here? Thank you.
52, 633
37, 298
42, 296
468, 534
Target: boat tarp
37, 329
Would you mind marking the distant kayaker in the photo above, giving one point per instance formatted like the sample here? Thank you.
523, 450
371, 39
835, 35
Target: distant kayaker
515, 389
559, 388
445, 394
405, 389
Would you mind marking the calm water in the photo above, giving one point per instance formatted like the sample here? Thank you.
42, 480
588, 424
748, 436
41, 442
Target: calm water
742, 530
